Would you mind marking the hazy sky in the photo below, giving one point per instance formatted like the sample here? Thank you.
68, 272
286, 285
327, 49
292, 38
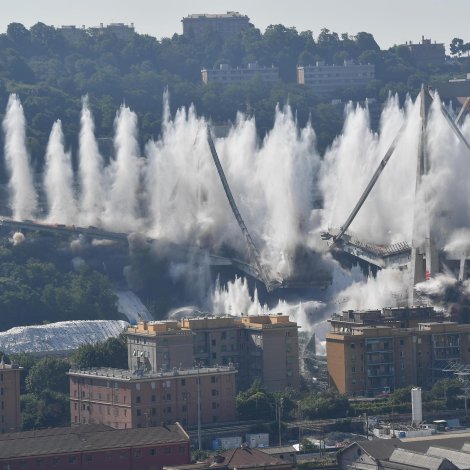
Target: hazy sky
390, 21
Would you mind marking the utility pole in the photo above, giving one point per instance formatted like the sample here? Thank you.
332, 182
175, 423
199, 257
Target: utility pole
198, 407
279, 415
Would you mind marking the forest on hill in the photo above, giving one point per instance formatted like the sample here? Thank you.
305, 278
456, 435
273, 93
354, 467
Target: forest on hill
51, 74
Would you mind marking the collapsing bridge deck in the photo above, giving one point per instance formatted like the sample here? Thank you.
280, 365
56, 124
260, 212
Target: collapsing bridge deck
380, 255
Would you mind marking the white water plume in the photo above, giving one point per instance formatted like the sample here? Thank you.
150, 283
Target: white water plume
445, 187
235, 299
175, 194
58, 179
23, 195
272, 184
349, 164
121, 211
90, 170
387, 289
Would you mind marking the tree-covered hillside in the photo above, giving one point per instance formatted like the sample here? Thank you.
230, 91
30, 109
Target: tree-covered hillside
51, 74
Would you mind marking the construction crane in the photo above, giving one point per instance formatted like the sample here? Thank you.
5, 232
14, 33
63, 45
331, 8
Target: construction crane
253, 251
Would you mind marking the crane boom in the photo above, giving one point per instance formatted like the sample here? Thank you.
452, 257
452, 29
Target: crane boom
252, 249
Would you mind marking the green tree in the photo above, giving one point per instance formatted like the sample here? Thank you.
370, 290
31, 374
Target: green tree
48, 409
49, 373
456, 46
255, 403
110, 353
325, 405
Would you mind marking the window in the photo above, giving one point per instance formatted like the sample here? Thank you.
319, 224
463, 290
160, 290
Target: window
213, 342
154, 398
153, 451
183, 382
223, 335
214, 356
214, 405
89, 458
167, 450
154, 411
213, 379
139, 412
137, 399
72, 459
402, 342
353, 369
214, 392
353, 345
168, 396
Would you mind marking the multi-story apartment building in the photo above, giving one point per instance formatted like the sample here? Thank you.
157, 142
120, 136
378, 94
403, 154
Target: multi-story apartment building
155, 346
196, 26
226, 74
124, 399
372, 352
10, 419
262, 347
427, 52
325, 80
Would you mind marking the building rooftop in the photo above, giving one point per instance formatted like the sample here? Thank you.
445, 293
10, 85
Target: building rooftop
279, 450
229, 14
127, 375
245, 457
85, 438
417, 460
186, 325
459, 458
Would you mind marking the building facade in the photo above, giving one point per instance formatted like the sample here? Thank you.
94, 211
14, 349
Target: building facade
123, 400
325, 80
427, 52
226, 25
372, 352
10, 418
226, 74
95, 448
262, 347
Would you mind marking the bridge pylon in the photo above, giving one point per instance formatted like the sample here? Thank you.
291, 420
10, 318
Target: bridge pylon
424, 262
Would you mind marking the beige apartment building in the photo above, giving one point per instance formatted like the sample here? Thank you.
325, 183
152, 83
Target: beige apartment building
262, 347
228, 75
10, 418
376, 351
123, 399
325, 80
